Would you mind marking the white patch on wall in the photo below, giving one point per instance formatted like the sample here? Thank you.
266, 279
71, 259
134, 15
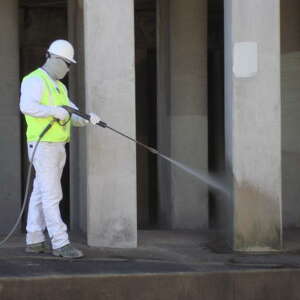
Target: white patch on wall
245, 62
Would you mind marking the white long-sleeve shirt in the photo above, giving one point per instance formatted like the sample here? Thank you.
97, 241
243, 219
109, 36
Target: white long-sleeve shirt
30, 100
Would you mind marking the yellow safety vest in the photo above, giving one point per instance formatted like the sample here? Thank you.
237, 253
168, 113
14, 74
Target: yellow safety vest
51, 96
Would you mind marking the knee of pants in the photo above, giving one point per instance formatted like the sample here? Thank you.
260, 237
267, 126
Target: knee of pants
52, 198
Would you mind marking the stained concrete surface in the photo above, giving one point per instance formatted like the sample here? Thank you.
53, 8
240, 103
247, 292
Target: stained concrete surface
167, 264
253, 126
158, 252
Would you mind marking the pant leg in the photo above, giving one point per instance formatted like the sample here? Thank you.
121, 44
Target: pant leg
35, 219
49, 163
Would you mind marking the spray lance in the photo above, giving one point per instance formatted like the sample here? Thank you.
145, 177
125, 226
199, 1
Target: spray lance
105, 125
204, 177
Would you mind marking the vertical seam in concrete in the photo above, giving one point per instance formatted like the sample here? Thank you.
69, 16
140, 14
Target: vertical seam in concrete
280, 118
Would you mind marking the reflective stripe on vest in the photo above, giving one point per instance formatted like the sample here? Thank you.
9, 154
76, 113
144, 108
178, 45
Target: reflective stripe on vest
52, 96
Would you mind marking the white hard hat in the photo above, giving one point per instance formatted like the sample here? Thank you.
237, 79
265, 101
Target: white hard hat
63, 49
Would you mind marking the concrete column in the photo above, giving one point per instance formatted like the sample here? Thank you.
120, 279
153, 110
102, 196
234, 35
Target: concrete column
253, 122
10, 165
188, 110
110, 92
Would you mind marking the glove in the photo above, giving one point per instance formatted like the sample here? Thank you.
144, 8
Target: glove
59, 113
94, 119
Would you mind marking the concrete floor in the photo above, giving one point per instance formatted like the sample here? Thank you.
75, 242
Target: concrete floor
184, 257
158, 251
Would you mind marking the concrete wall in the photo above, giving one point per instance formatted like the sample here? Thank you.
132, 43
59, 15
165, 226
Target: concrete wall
228, 206
10, 170
218, 218
246, 284
163, 112
78, 190
145, 68
188, 86
290, 74
184, 25
110, 92
253, 123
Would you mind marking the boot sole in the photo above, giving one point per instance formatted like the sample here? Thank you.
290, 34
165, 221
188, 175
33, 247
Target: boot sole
67, 257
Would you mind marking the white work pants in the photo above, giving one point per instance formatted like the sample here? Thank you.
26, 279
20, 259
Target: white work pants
43, 209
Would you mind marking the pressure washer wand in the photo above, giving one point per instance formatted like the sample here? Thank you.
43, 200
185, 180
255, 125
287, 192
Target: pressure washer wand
152, 150
203, 176
104, 125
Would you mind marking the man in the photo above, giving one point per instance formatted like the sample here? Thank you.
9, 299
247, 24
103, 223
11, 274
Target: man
42, 95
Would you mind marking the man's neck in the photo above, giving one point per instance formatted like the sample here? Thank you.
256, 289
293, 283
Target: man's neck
48, 73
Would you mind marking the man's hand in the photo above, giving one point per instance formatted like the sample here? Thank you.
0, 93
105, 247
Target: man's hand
94, 119
59, 113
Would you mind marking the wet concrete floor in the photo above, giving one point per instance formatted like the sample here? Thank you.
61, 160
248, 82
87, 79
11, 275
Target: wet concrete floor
158, 252
179, 265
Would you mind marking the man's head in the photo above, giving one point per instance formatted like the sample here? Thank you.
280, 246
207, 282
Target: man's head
62, 49
60, 56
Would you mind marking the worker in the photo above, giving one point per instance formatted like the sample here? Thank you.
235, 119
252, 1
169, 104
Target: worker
42, 95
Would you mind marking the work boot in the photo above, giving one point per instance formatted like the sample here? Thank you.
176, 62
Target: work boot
38, 248
67, 251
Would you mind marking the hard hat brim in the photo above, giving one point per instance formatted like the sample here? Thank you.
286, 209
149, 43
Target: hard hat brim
67, 59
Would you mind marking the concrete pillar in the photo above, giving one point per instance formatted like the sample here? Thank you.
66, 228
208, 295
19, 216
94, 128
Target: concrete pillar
10, 165
253, 122
188, 110
110, 92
